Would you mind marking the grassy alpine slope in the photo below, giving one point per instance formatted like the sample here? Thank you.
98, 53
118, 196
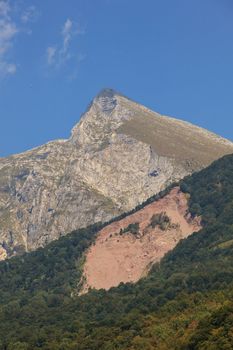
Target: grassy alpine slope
184, 303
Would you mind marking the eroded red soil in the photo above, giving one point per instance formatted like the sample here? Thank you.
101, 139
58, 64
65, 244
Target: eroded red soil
125, 257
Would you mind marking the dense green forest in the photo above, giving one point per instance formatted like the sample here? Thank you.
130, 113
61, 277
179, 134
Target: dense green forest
185, 303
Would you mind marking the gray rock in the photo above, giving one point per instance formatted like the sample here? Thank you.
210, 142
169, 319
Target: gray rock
118, 155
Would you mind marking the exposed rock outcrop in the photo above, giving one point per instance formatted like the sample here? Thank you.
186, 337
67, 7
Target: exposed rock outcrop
125, 250
119, 154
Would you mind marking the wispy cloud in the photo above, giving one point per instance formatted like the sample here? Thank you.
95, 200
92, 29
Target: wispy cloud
13, 20
8, 31
51, 52
4, 8
66, 33
58, 55
30, 14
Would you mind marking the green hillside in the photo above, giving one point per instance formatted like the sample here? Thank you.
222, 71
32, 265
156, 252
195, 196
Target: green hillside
184, 303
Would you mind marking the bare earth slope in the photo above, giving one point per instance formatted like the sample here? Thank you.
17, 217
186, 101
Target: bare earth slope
118, 255
119, 154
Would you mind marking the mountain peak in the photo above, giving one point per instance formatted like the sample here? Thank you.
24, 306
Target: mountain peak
105, 115
107, 92
106, 100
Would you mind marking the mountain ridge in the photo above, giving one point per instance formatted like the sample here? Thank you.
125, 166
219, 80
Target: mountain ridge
118, 155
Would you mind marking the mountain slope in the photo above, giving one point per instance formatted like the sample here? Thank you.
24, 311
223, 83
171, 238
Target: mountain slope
125, 250
119, 154
184, 303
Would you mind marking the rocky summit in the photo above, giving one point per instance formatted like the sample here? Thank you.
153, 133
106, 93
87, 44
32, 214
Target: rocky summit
118, 155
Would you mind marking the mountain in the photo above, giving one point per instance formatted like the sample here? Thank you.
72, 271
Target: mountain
184, 303
118, 155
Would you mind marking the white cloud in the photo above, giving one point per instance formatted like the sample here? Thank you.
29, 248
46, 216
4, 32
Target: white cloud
51, 52
67, 28
58, 55
66, 33
8, 31
4, 8
7, 68
30, 14
10, 18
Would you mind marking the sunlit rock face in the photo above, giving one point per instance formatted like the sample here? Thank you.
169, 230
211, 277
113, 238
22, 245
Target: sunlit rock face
118, 155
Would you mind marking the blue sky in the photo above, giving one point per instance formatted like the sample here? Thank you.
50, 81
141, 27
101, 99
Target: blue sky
174, 56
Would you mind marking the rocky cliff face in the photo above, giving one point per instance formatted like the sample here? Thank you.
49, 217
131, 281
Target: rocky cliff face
118, 155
